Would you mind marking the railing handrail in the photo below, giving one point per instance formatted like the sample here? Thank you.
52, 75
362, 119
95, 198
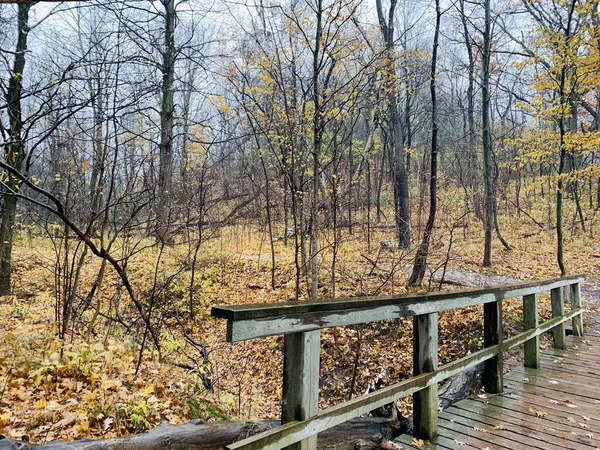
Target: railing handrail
260, 320
301, 323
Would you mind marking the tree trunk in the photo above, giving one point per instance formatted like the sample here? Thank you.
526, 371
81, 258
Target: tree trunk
420, 263
14, 149
165, 173
396, 136
563, 152
487, 139
472, 153
317, 144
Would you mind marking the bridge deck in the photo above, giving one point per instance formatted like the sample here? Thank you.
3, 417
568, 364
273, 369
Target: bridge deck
554, 408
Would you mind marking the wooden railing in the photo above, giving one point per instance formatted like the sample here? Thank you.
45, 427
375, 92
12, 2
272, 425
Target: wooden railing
301, 323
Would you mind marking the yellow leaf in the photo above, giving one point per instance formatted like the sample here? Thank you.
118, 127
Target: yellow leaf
4, 418
149, 389
417, 442
93, 378
40, 404
84, 425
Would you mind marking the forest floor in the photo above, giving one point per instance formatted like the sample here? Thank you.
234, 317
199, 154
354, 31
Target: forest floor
88, 385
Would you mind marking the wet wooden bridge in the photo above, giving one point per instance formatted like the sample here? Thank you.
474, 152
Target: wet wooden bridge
552, 402
555, 407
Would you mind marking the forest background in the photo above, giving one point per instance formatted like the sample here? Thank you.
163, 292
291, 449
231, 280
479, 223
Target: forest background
163, 157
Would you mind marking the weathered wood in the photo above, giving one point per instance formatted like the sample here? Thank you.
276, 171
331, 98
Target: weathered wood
298, 321
558, 310
194, 434
325, 419
365, 433
260, 320
530, 321
425, 359
492, 335
575, 297
300, 397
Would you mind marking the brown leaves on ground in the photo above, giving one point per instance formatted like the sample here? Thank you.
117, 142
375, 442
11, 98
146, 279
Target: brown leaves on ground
64, 390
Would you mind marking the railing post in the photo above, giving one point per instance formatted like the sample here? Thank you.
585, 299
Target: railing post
300, 397
576, 304
558, 310
425, 359
530, 322
492, 335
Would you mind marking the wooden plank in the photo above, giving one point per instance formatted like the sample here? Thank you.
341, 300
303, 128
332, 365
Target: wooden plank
300, 396
462, 439
529, 427
587, 364
440, 443
518, 413
520, 405
557, 408
550, 392
497, 429
558, 310
531, 348
425, 359
482, 439
575, 298
579, 383
584, 382
587, 368
252, 321
261, 310
492, 335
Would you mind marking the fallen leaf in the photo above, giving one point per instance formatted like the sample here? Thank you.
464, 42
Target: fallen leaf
538, 413
417, 442
107, 423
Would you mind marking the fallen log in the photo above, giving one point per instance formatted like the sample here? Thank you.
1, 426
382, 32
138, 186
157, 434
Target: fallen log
364, 433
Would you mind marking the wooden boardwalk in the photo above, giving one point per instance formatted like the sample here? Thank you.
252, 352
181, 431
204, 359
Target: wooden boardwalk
556, 407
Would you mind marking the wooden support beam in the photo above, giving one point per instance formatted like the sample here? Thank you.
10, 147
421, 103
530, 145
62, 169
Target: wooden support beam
300, 397
492, 335
425, 359
530, 321
559, 334
576, 304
